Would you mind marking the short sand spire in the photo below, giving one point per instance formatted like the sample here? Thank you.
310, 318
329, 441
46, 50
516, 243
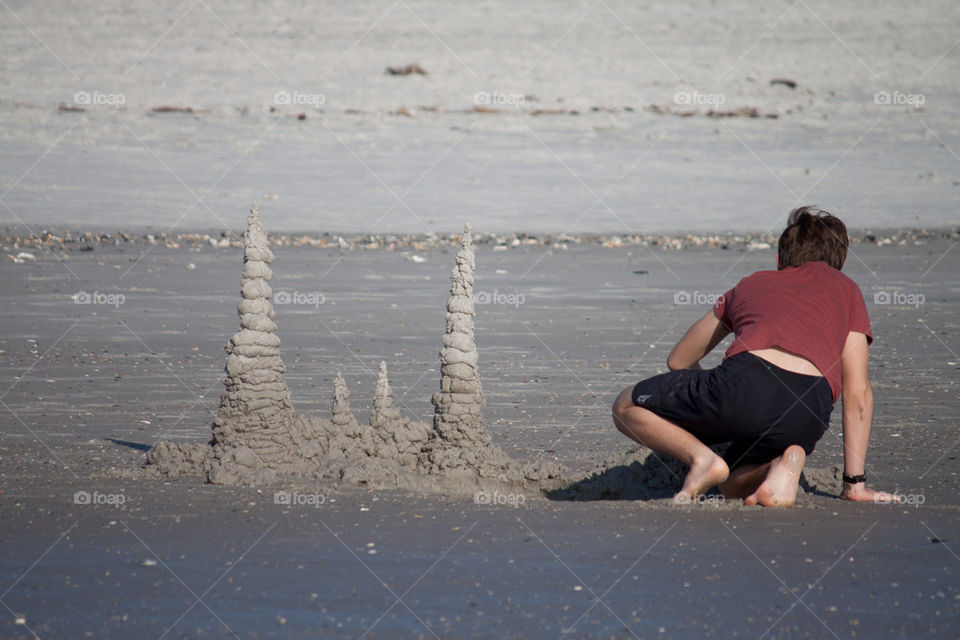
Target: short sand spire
256, 414
384, 413
458, 405
342, 415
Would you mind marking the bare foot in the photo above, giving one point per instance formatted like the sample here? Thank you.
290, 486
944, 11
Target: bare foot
703, 474
779, 488
860, 493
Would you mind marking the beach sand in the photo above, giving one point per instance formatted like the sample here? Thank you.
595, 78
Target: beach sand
136, 136
92, 386
594, 115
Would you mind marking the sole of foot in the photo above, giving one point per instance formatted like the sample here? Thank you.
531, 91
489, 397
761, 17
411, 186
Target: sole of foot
701, 477
779, 488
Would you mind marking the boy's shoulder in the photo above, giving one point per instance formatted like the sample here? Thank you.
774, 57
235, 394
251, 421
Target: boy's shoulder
824, 270
809, 272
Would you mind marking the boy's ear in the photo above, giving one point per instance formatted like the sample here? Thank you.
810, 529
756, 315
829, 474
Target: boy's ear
778, 261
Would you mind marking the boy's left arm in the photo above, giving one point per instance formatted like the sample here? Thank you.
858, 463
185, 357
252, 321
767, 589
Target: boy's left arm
700, 339
857, 419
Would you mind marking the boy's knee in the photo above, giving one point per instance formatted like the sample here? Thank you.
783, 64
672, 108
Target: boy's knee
623, 401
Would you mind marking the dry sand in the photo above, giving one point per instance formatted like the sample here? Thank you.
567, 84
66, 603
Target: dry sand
93, 386
605, 77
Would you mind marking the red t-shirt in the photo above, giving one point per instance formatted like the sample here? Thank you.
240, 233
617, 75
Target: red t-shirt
807, 310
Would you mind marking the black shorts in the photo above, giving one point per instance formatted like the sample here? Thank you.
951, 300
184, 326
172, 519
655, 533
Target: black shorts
757, 406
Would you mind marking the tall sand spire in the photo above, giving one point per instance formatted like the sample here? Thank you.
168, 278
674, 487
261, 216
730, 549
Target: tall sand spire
458, 405
256, 415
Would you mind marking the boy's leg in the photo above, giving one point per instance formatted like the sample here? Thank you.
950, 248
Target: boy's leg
779, 487
744, 480
707, 469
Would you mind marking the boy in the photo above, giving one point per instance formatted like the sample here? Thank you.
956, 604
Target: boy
800, 343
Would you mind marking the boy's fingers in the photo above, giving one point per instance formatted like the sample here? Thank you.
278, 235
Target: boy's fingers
868, 495
882, 497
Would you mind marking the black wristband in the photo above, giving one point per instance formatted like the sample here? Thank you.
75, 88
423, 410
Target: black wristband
855, 479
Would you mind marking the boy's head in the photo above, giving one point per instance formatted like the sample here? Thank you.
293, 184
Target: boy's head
812, 234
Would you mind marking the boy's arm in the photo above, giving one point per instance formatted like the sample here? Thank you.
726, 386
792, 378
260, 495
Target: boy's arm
857, 418
700, 339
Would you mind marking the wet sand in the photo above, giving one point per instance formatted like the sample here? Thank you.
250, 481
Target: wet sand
89, 387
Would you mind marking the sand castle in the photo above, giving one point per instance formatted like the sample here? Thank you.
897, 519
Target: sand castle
258, 438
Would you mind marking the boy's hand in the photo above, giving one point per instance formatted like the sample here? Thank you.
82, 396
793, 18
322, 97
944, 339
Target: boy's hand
700, 339
860, 493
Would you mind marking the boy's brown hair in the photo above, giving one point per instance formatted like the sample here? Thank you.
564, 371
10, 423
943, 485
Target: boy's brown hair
812, 234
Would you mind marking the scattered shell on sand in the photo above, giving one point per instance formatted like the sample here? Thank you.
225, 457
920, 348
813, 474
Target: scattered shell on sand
69, 240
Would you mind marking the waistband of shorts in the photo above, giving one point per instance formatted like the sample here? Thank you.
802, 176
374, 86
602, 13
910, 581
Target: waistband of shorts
747, 357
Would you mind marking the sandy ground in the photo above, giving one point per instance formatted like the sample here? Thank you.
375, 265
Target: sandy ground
353, 164
586, 136
87, 388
